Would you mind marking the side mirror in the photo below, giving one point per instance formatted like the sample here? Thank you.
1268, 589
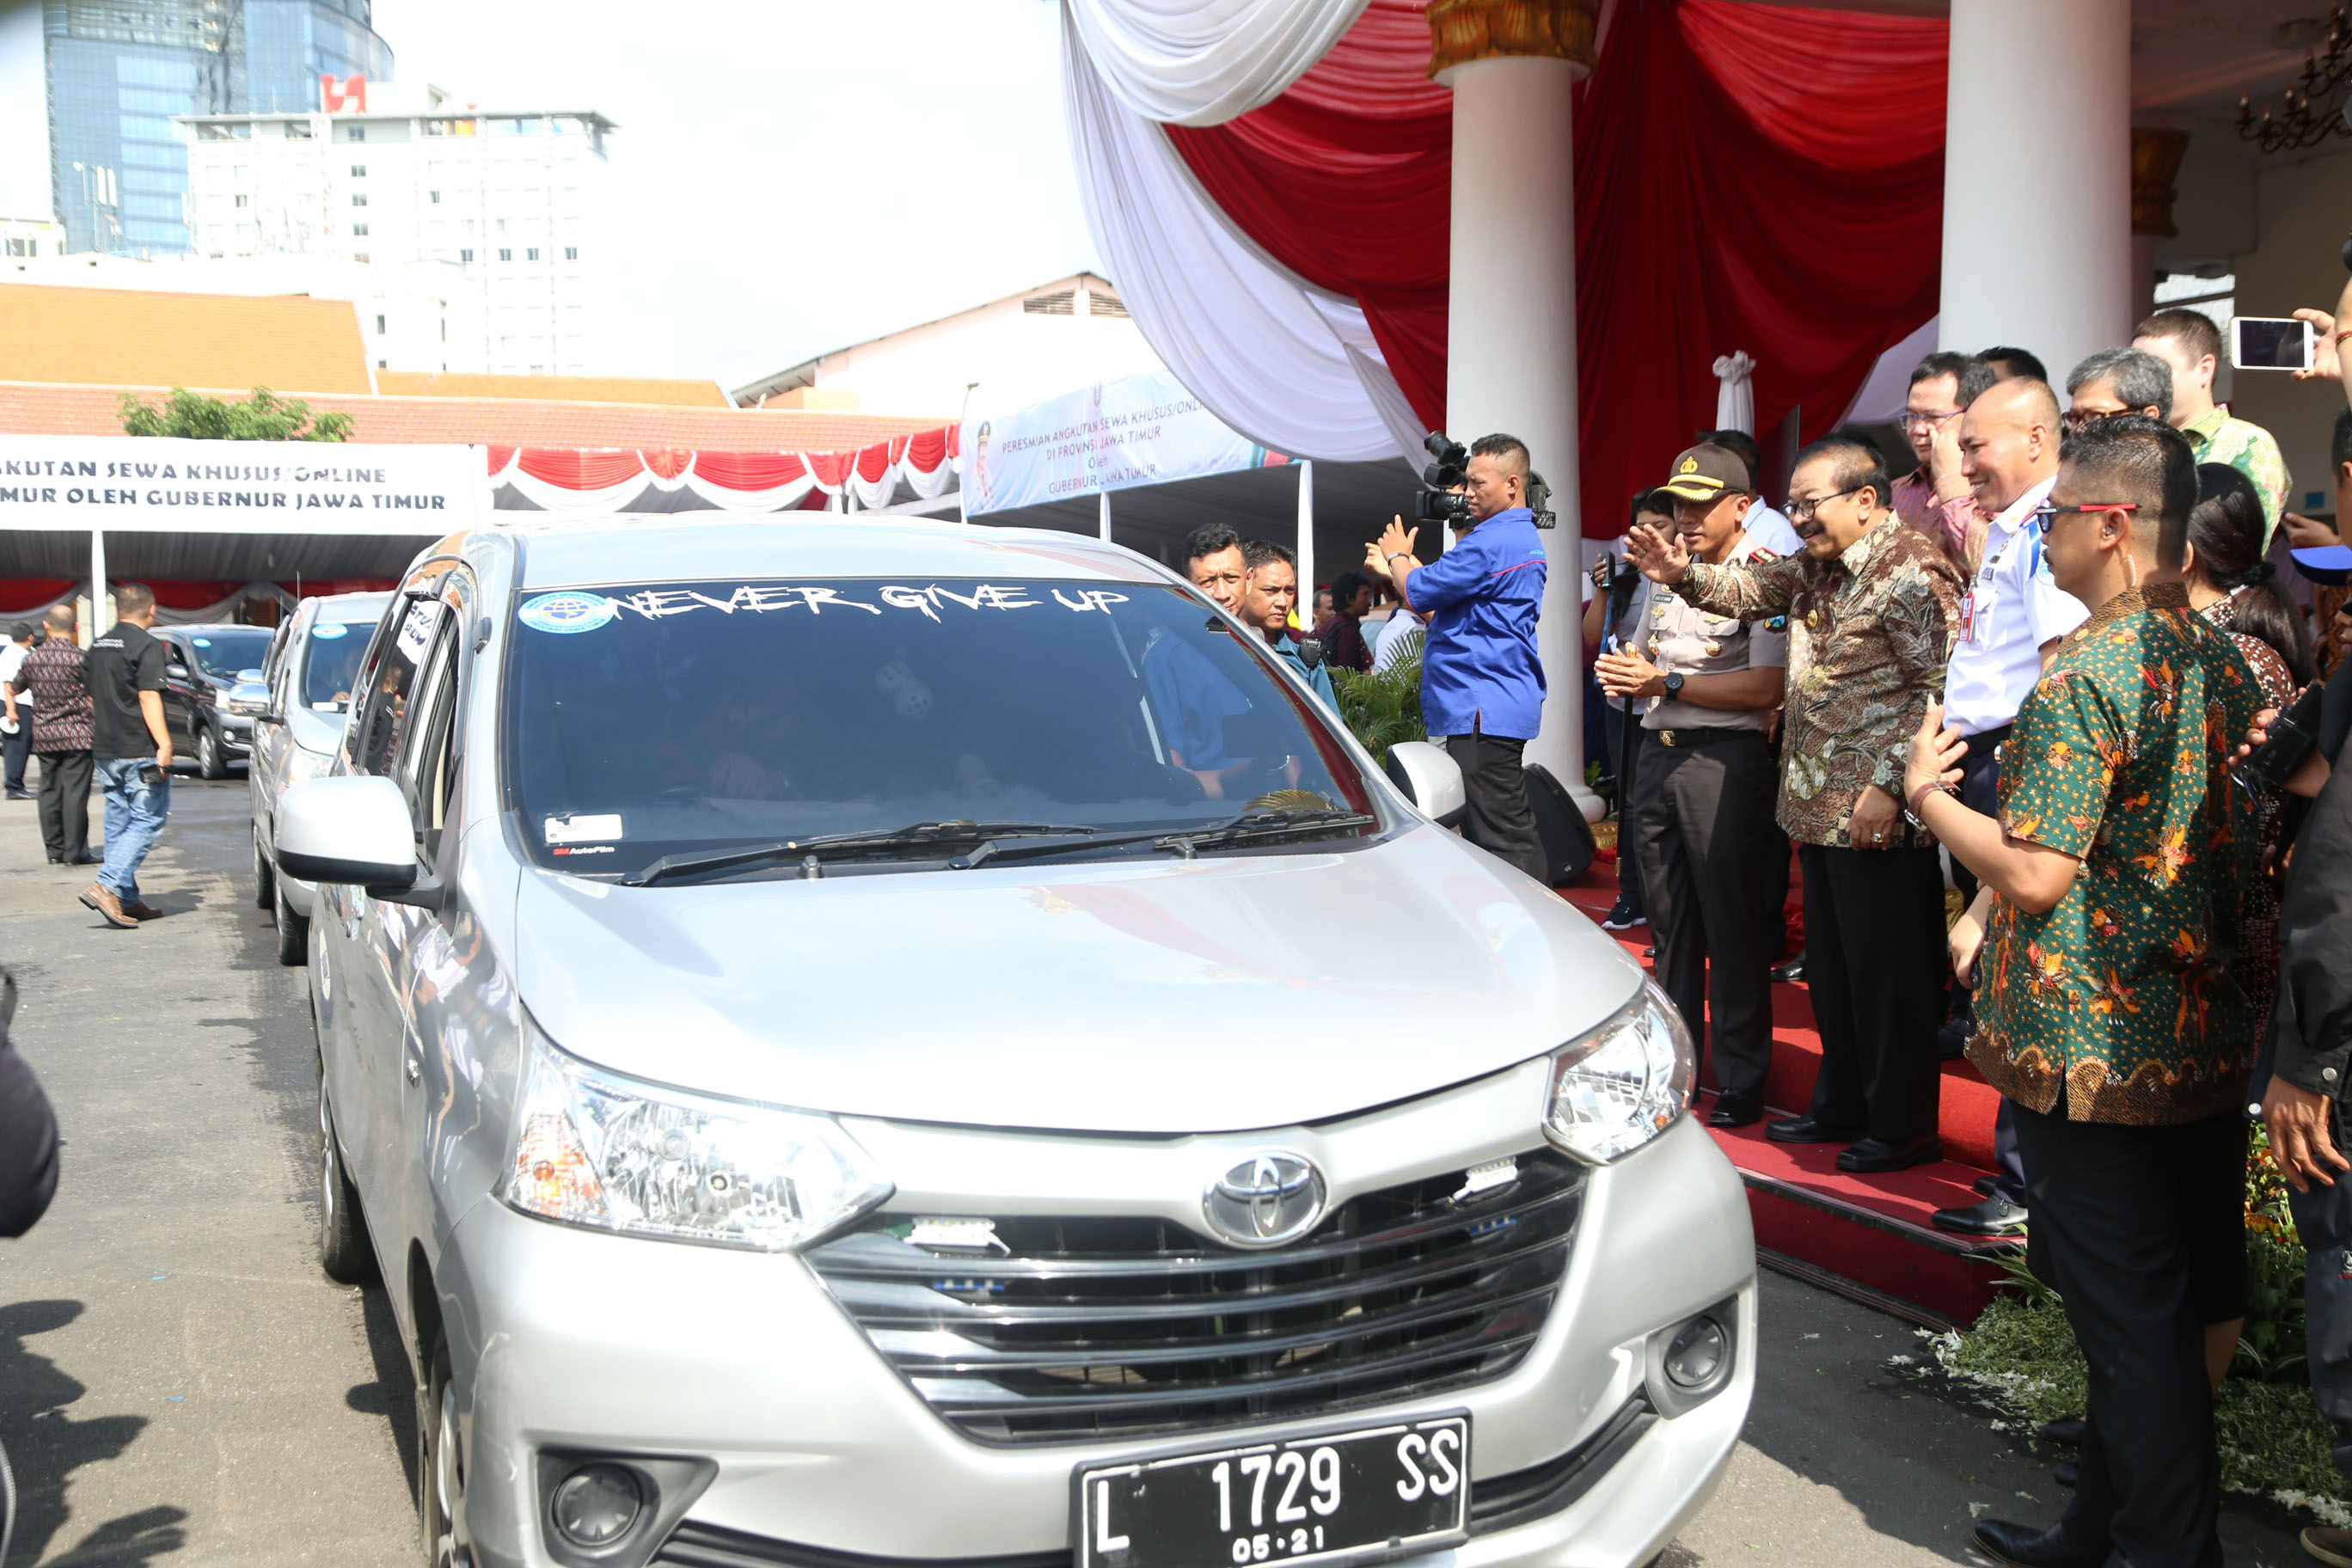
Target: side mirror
177, 671
354, 831
248, 698
1430, 779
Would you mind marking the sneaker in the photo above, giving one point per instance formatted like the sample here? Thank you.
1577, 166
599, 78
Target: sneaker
99, 897
1624, 915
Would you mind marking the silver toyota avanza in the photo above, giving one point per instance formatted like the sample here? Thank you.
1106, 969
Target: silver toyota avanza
861, 1045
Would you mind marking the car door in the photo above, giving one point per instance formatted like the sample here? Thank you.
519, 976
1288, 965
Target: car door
266, 763
374, 935
179, 694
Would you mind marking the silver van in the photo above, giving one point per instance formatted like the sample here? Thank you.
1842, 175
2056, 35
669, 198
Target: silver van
857, 1044
297, 717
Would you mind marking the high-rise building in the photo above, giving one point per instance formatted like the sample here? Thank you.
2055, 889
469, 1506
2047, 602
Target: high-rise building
397, 175
119, 70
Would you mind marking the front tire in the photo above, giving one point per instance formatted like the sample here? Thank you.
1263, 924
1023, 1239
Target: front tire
293, 930
343, 1249
264, 874
441, 1472
210, 761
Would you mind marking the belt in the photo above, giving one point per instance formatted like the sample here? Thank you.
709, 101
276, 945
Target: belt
1985, 740
1710, 735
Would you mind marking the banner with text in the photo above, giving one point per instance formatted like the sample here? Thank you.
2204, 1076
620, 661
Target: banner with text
158, 485
1113, 436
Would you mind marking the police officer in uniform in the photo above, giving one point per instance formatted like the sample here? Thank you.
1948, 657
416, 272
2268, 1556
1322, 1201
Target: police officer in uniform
1703, 838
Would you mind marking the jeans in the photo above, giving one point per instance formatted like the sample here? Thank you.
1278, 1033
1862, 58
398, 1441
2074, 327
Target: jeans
135, 811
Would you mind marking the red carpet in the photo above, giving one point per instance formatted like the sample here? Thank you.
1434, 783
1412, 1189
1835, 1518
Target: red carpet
1871, 1232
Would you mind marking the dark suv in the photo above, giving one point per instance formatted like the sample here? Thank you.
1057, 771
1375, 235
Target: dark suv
203, 663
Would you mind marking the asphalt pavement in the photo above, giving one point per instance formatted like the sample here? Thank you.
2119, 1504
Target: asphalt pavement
179, 1384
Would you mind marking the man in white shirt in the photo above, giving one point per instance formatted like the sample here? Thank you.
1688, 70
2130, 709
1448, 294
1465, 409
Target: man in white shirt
2015, 616
16, 715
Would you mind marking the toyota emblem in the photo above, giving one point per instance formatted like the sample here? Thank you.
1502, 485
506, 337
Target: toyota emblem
1265, 1200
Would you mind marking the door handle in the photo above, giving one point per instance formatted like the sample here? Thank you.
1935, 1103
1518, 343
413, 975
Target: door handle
411, 1070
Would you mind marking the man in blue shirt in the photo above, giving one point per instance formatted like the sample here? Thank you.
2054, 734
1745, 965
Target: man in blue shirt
1269, 594
1482, 685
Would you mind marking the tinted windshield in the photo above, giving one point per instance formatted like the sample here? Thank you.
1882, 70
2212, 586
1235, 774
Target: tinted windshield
330, 662
224, 652
646, 720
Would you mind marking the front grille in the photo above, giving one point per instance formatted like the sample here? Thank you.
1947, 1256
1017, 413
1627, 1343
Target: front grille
1501, 1502
1111, 1327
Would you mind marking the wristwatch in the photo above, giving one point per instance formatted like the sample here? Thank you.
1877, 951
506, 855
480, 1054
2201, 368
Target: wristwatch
1674, 684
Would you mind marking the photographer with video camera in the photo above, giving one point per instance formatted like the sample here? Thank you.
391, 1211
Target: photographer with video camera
1482, 684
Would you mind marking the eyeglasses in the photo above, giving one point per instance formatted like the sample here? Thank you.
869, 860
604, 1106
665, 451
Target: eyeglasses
2072, 420
1912, 422
1798, 511
2049, 512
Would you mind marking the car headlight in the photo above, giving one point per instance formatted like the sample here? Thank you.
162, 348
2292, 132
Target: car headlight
594, 1149
1620, 1085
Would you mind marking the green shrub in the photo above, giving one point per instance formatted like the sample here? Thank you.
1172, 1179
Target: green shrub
1381, 707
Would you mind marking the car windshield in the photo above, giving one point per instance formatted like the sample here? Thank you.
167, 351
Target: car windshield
676, 718
223, 652
330, 661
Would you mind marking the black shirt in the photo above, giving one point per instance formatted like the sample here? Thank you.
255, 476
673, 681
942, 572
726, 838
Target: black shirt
2314, 996
121, 664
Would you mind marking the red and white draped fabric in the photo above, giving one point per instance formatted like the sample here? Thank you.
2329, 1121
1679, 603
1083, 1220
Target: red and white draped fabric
1277, 217
921, 466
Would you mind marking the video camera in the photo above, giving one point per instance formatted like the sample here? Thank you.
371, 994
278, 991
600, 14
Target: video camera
1441, 502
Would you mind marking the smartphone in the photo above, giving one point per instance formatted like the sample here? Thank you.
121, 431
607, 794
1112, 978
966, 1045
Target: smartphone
151, 774
2269, 342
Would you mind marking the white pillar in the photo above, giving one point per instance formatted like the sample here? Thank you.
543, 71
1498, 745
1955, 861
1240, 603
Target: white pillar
101, 621
2037, 179
1306, 544
1511, 336
1103, 522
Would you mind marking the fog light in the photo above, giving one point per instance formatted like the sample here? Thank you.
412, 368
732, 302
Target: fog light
596, 1504
1696, 1354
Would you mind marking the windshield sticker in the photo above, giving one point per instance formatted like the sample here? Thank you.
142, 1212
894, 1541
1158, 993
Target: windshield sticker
582, 828
581, 849
330, 630
569, 611
329, 706
203, 642
657, 604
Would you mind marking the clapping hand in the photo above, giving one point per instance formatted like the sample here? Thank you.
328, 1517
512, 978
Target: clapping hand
1657, 554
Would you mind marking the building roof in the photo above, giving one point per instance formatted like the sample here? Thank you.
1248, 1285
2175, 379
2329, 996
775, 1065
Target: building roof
673, 393
52, 409
49, 332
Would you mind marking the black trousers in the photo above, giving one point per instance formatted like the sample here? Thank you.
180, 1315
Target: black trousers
65, 804
2323, 1218
2111, 1208
1625, 733
1498, 820
1875, 958
17, 749
1703, 830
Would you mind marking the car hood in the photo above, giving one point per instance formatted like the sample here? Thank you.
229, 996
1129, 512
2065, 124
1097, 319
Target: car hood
1144, 996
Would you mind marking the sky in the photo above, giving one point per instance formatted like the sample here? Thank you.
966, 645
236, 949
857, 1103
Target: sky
788, 176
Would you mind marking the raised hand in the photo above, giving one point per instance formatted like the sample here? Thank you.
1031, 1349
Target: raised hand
1657, 554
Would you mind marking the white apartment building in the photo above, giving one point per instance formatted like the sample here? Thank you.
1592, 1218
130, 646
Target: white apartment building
398, 177
986, 361
28, 237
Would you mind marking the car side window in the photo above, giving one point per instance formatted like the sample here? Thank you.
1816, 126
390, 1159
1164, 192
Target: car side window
428, 767
392, 688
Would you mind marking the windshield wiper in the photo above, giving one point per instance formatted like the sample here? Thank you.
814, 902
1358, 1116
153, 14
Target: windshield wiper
1248, 826
820, 846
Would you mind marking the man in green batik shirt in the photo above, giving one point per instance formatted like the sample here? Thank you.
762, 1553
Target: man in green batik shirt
2190, 343
2107, 1014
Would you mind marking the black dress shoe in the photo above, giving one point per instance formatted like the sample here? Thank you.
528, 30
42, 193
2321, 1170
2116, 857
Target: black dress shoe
1994, 1216
2066, 1432
1732, 1110
85, 858
1952, 1039
57, 860
1794, 970
2067, 1473
1872, 1155
2023, 1546
1805, 1129
1985, 1184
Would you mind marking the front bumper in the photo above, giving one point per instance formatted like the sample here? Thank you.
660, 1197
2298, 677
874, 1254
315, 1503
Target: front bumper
570, 1340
